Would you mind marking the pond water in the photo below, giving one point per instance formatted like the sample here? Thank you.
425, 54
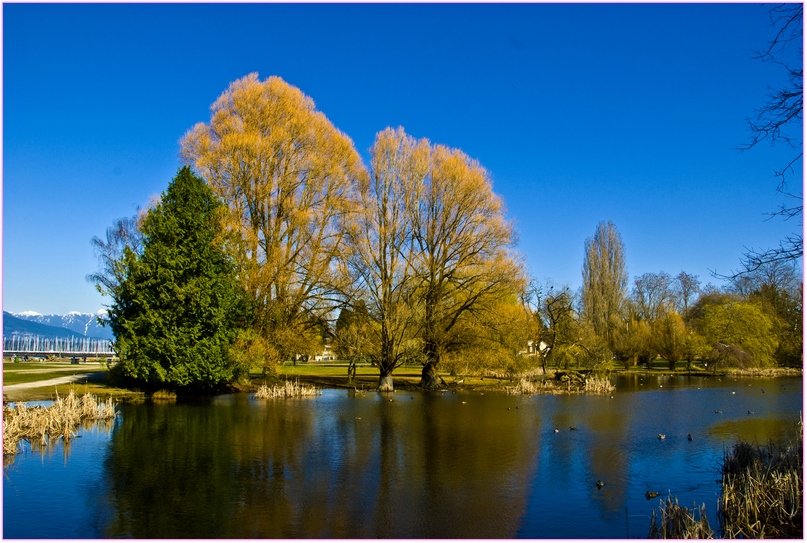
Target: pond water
424, 465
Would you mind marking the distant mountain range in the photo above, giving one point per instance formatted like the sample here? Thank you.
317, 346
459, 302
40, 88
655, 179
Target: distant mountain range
52, 326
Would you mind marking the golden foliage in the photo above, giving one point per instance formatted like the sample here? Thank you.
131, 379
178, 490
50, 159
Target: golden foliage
286, 174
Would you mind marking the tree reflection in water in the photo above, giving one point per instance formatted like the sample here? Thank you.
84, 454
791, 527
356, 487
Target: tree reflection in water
424, 465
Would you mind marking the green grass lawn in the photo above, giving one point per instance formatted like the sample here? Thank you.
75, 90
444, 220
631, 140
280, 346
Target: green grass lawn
27, 372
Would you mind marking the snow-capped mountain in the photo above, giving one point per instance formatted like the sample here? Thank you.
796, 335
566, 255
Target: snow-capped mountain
85, 324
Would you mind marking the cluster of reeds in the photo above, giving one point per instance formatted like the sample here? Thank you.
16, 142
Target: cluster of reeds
287, 390
767, 372
678, 522
763, 491
591, 385
40, 425
164, 395
598, 385
761, 497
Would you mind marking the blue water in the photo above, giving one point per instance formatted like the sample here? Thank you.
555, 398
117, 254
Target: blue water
425, 465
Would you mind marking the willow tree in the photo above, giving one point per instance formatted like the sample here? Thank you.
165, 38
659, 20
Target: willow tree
462, 250
605, 279
380, 246
285, 173
744, 326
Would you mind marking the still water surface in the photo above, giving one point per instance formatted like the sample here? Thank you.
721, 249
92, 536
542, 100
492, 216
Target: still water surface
425, 465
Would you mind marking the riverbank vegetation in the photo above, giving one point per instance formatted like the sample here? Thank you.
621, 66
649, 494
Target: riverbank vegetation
564, 383
39, 425
281, 245
287, 390
763, 491
676, 522
762, 496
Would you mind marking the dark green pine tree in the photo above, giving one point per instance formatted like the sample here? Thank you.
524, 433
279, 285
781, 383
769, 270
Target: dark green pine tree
174, 313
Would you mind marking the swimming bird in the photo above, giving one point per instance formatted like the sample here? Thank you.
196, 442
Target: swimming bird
600, 484
650, 495
572, 428
556, 430
689, 437
717, 411
662, 436
750, 412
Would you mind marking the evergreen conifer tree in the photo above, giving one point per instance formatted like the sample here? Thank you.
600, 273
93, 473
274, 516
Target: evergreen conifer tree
173, 313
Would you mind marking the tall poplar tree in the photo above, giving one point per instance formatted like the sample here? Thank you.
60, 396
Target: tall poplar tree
605, 279
173, 312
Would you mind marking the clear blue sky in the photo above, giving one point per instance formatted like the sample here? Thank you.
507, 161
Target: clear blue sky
581, 113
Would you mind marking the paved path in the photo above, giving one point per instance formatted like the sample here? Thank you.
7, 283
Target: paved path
84, 377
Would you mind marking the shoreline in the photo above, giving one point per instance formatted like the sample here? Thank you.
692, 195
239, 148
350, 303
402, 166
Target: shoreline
407, 381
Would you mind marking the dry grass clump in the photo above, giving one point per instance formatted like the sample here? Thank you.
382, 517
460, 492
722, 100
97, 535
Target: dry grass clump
679, 522
763, 491
761, 497
590, 385
39, 425
287, 390
165, 395
597, 385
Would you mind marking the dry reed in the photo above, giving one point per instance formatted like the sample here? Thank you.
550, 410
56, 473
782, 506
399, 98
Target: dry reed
287, 390
591, 385
761, 497
40, 425
679, 522
597, 385
164, 395
766, 372
763, 491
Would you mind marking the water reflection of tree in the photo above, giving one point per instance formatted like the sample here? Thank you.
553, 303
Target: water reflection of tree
607, 457
423, 467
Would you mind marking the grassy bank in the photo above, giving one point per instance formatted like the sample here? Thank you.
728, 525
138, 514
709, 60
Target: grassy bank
17, 373
29, 372
321, 375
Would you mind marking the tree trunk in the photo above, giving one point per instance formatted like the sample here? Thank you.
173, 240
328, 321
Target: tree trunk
429, 378
385, 384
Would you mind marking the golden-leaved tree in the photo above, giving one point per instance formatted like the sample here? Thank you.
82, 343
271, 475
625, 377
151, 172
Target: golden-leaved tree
430, 252
462, 255
287, 175
379, 252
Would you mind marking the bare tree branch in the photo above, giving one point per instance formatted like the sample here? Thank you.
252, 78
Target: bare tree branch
780, 121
